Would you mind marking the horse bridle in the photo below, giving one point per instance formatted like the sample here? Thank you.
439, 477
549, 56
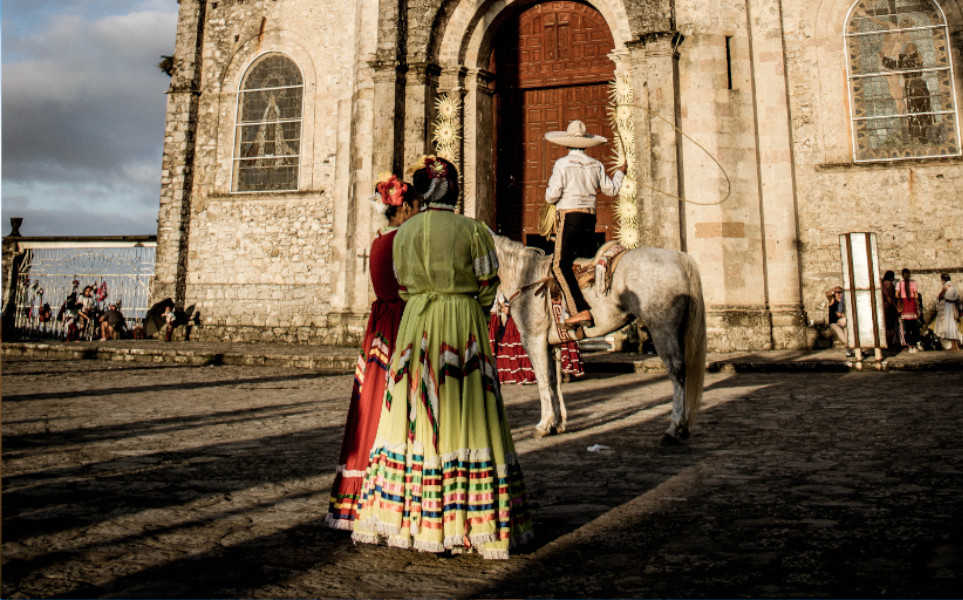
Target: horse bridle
535, 284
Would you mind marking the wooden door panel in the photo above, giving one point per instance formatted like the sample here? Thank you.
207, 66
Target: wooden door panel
553, 43
551, 66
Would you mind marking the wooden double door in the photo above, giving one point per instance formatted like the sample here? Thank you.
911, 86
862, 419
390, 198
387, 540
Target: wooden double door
551, 66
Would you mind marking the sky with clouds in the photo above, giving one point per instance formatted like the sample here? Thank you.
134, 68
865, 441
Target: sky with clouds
83, 108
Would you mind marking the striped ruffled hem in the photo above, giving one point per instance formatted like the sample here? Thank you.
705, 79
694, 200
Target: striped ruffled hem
439, 503
340, 524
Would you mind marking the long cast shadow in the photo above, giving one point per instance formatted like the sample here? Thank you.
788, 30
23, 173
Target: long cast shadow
194, 385
756, 505
121, 367
83, 495
268, 562
87, 435
232, 572
754, 511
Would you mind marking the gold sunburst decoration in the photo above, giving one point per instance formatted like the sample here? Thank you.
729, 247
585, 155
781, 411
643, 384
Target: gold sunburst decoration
621, 116
446, 128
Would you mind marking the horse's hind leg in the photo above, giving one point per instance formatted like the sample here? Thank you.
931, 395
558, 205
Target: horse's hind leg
672, 357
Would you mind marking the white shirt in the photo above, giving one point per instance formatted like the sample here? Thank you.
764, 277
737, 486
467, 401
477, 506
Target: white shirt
577, 178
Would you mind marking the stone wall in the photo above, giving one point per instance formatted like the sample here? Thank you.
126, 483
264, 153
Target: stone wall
759, 84
914, 206
288, 266
737, 173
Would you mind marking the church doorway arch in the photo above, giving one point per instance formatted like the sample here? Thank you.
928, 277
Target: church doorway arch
550, 63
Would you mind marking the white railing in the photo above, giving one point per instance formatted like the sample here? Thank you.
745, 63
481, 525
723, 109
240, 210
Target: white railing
53, 271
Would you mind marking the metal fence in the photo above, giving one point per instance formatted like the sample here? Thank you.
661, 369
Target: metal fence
52, 275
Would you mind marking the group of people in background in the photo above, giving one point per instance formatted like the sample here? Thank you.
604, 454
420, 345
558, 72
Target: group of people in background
903, 313
86, 314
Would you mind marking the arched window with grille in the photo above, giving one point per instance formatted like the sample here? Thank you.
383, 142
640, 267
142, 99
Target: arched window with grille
901, 81
267, 145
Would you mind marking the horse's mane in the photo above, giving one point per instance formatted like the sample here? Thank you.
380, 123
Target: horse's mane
517, 262
517, 249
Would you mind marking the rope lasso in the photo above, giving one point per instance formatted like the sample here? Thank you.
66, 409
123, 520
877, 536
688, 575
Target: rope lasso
701, 147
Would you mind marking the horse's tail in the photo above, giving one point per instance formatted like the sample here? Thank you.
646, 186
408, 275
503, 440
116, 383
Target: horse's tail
695, 343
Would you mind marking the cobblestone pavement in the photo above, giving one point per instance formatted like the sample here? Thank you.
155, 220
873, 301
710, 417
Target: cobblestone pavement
142, 480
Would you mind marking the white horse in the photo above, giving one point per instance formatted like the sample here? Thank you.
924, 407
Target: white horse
660, 287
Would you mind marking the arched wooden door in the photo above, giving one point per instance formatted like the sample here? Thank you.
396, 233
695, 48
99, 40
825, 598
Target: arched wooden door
551, 66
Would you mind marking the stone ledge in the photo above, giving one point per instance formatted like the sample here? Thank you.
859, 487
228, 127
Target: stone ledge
342, 360
331, 360
784, 361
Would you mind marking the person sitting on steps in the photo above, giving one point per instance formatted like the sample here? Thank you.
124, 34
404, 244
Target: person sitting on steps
575, 181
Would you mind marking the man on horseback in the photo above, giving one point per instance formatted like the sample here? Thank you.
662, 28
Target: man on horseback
575, 181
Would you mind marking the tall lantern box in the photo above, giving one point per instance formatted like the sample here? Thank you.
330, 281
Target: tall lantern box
862, 295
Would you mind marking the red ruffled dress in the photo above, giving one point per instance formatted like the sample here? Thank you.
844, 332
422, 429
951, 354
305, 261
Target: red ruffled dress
370, 377
512, 361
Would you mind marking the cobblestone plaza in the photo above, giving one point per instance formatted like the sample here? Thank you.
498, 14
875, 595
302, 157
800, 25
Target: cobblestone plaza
176, 480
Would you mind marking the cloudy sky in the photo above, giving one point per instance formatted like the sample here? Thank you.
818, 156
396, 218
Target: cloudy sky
83, 114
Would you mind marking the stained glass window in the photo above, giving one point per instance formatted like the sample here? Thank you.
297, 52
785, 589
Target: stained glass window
901, 83
267, 143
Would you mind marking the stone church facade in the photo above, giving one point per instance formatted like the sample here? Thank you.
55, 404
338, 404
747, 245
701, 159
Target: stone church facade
782, 123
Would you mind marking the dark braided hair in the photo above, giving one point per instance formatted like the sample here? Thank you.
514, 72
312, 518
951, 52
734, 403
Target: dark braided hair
422, 181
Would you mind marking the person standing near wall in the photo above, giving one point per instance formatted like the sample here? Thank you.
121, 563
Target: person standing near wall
947, 327
890, 314
908, 303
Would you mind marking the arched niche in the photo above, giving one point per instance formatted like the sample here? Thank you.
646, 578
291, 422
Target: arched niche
461, 45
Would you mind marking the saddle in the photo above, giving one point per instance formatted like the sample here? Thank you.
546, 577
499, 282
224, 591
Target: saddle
588, 271
598, 269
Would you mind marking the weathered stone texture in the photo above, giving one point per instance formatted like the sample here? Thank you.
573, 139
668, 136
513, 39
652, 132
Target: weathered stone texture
650, 16
912, 206
758, 85
266, 265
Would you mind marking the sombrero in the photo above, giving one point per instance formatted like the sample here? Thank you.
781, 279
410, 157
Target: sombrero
575, 136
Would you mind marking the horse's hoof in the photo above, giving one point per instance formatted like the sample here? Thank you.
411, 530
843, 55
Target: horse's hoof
670, 440
559, 428
540, 432
684, 433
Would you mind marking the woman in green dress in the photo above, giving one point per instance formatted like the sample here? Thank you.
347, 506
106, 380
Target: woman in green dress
443, 474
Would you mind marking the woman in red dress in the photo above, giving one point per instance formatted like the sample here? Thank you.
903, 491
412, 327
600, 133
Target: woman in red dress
397, 201
512, 361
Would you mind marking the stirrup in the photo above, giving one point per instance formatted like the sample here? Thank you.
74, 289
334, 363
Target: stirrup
589, 322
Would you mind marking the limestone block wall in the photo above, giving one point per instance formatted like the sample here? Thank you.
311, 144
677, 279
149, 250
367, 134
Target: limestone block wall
914, 206
734, 109
280, 265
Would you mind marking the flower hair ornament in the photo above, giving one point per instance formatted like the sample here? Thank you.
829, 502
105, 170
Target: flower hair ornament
388, 192
437, 171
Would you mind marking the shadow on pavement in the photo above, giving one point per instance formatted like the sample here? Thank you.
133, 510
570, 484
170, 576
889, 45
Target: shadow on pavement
837, 485
191, 385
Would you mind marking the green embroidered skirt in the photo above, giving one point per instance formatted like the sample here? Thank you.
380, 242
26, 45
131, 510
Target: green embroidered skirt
443, 474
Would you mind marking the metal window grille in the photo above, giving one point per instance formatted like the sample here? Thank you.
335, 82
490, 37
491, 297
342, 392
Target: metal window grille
901, 81
53, 274
267, 144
